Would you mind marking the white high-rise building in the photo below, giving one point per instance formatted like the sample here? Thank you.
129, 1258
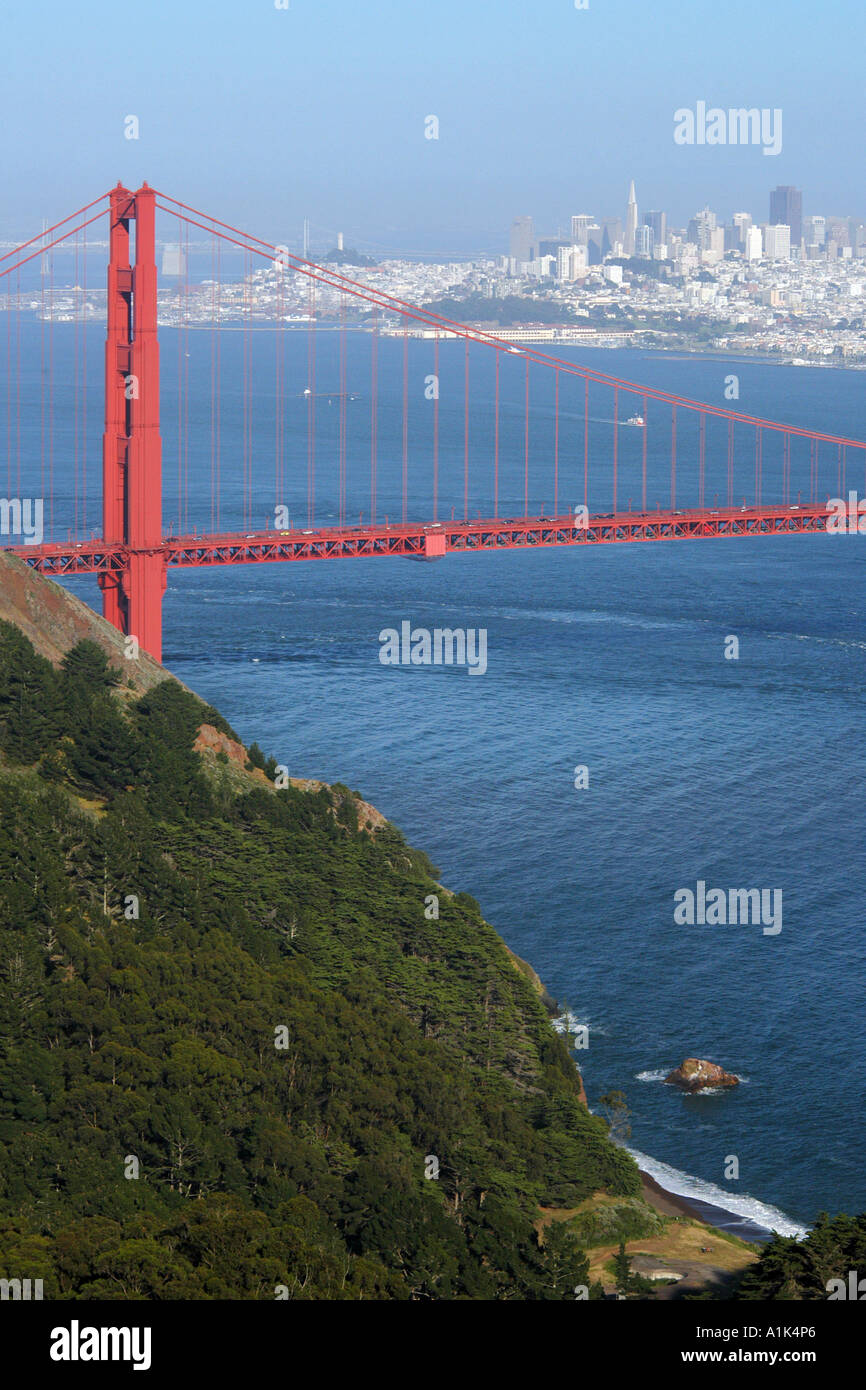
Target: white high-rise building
563, 262
580, 226
570, 262
777, 242
754, 244
630, 234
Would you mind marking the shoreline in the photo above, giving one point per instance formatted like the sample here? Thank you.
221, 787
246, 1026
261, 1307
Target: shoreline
674, 1204
678, 352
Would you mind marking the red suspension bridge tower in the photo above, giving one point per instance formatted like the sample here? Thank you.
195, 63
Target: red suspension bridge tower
132, 448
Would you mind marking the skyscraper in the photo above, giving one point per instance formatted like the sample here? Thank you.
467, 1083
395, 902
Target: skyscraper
815, 230
630, 223
611, 235
742, 222
754, 246
701, 229
786, 209
579, 229
594, 240
777, 241
659, 223
644, 242
522, 238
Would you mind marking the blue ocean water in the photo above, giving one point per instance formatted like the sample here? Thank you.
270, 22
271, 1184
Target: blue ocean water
744, 773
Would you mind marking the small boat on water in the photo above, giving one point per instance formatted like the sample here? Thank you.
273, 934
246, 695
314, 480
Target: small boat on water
636, 420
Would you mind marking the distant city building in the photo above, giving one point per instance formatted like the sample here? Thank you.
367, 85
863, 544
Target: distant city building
580, 226
630, 237
658, 221
700, 227
742, 222
522, 248
594, 239
754, 244
786, 209
815, 229
542, 267
570, 262
777, 242
838, 231
733, 241
551, 246
611, 236
644, 242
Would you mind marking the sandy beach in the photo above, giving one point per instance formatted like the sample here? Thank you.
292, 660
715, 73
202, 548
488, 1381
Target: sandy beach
693, 1209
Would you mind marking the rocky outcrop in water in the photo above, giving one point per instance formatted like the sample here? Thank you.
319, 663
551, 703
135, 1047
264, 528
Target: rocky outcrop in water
696, 1075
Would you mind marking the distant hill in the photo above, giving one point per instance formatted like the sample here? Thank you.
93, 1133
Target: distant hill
512, 310
236, 1044
348, 256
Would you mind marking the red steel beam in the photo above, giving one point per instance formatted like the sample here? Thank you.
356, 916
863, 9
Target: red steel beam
419, 541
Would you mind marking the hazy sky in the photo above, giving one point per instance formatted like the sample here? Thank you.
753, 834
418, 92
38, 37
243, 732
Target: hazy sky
264, 116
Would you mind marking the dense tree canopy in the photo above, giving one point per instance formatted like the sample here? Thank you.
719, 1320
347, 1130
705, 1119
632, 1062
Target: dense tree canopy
236, 1058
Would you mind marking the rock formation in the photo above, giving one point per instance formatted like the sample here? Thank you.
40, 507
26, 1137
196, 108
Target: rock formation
695, 1075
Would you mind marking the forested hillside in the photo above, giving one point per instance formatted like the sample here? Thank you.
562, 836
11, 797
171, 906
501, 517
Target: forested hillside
233, 1047
830, 1263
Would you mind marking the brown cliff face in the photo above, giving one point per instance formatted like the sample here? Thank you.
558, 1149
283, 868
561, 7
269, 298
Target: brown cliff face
55, 620
210, 740
696, 1075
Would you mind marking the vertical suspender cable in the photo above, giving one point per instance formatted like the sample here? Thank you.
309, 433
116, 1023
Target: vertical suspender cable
644, 447
556, 442
673, 458
526, 447
436, 427
496, 439
466, 434
374, 412
405, 416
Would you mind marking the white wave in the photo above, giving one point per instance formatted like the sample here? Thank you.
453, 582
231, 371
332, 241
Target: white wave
740, 1204
566, 1022
658, 1075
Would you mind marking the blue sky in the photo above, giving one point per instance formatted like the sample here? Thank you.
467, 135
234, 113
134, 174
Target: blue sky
265, 116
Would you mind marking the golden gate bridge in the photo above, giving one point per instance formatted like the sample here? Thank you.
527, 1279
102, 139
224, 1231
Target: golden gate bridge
749, 469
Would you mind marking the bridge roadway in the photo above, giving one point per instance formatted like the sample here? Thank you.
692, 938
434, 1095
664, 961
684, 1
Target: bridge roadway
429, 541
